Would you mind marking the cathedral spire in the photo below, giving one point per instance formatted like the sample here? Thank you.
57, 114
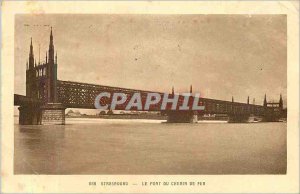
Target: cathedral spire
248, 100
172, 90
232, 99
191, 89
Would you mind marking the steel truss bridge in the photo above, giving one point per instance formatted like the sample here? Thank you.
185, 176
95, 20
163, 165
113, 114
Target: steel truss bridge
47, 98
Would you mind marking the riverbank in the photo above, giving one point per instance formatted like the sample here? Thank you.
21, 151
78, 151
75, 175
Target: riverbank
124, 116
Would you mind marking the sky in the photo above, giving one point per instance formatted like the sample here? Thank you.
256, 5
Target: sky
219, 55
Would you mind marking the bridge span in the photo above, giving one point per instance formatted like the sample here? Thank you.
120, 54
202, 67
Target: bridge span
47, 98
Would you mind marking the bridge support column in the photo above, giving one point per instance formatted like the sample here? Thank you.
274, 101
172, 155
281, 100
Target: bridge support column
29, 115
236, 118
178, 116
53, 114
271, 116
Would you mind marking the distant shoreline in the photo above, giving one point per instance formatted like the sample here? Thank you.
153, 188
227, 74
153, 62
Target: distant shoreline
135, 116
122, 116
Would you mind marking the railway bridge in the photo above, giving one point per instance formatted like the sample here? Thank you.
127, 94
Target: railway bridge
47, 98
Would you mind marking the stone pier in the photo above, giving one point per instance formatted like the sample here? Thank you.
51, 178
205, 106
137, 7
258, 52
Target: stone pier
48, 114
178, 116
29, 115
238, 118
53, 114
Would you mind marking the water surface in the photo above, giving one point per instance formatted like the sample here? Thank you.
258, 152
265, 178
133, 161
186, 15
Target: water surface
102, 146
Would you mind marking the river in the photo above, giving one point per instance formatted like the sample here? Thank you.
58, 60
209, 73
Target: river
104, 146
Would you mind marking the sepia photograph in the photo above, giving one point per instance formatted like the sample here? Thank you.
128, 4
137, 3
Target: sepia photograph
149, 97
150, 94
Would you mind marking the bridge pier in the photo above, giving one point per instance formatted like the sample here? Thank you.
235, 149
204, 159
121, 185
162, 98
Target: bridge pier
29, 115
53, 114
48, 114
271, 117
178, 116
238, 118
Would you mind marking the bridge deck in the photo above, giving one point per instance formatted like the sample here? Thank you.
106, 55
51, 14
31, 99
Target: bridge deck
82, 95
